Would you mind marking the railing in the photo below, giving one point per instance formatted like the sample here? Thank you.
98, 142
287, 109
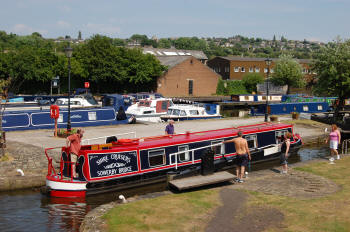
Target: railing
192, 153
105, 137
345, 146
51, 168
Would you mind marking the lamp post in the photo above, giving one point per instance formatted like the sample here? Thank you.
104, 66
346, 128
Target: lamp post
268, 63
68, 50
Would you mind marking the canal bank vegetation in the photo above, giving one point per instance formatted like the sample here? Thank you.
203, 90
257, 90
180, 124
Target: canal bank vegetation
330, 213
176, 212
192, 211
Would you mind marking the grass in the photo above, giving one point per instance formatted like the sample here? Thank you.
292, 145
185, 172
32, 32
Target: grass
165, 213
330, 213
193, 210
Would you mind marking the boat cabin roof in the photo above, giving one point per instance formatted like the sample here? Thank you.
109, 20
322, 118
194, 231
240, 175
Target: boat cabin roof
168, 140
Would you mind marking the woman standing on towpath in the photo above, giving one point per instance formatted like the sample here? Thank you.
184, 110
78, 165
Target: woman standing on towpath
334, 141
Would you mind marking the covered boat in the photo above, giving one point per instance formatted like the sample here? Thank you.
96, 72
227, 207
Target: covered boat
124, 163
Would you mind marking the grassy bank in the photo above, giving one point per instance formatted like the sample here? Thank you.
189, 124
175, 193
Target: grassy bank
330, 213
177, 212
193, 210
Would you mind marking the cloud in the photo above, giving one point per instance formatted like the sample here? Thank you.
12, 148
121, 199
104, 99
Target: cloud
63, 24
25, 29
106, 29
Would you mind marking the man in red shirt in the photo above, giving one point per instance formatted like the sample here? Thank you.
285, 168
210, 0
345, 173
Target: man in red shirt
73, 142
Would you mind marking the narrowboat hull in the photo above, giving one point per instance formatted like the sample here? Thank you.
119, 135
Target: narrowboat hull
135, 162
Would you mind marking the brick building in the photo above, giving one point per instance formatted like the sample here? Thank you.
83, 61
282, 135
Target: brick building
234, 68
187, 74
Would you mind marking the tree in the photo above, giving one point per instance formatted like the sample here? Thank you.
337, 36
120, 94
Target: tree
250, 80
288, 71
332, 66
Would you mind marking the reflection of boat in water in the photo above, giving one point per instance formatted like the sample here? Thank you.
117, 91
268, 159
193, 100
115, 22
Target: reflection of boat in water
192, 112
132, 162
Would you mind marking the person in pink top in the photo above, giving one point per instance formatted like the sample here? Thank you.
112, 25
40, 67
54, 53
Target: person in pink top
73, 142
334, 141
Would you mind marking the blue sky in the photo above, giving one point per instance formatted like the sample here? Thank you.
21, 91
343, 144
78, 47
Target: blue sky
315, 20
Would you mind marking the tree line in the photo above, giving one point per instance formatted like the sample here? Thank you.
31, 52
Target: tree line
29, 63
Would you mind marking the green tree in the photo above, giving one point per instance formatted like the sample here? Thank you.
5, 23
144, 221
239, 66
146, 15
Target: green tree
164, 43
288, 71
250, 80
332, 66
220, 88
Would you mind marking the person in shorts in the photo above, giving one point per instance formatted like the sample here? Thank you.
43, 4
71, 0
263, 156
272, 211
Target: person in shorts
243, 154
74, 143
334, 140
285, 152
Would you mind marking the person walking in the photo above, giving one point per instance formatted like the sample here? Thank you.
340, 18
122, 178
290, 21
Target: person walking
285, 152
243, 155
334, 140
170, 129
74, 143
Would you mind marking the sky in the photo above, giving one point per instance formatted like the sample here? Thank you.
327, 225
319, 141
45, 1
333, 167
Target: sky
313, 20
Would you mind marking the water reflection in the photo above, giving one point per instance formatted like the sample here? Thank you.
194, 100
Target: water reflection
30, 211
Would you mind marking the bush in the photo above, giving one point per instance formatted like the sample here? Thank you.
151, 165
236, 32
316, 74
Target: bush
250, 80
236, 87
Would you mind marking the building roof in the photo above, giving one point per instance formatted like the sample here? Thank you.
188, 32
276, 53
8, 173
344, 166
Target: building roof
172, 61
256, 59
159, 52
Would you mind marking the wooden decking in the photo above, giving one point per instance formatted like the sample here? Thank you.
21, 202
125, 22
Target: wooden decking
198, 181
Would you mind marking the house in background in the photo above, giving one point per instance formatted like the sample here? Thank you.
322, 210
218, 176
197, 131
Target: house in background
234, 68
187, 74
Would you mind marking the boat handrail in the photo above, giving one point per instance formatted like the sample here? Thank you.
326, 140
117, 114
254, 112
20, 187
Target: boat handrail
105, 137
192, 153
50, 167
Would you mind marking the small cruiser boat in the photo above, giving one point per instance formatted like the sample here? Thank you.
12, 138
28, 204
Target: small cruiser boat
86, 100
149, 110
126, 163
191, 112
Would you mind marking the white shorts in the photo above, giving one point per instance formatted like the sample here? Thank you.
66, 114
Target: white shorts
333, 144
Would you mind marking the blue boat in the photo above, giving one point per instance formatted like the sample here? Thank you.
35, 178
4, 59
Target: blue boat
112, 112
287, 108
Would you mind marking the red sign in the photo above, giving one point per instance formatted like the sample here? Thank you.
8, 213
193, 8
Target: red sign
87, 85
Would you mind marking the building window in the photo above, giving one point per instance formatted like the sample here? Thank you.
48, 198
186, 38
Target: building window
266, 70
242, 69
190, 87
227, 69
257, 69
236, 69
251, 69
271, 70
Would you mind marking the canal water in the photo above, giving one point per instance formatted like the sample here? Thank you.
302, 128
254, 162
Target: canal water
31, 211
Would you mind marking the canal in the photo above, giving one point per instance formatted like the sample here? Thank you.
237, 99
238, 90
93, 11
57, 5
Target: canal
30, 211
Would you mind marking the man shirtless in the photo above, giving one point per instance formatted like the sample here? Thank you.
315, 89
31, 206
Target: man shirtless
243, 154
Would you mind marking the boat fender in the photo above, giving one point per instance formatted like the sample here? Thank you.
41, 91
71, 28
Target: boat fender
20, 171
122, 198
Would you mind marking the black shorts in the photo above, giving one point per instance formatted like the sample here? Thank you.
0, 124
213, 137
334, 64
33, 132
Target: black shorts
283, 159
242, 160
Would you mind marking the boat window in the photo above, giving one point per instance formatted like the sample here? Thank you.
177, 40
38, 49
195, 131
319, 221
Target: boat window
305, 108
284, 108
164, 105
182, 113
185, 156
280, 136
319, 107
148, 112
176, 112
194, 112
60, 102
156, 157
169, 111
218, 150
207, 108
251, 140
